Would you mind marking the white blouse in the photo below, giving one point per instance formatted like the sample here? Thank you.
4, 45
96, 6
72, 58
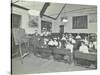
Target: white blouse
69, 46
83, 49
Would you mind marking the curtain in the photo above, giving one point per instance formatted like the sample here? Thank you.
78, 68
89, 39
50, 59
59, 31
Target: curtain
80, 22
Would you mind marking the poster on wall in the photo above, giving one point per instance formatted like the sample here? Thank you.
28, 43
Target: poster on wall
33, 21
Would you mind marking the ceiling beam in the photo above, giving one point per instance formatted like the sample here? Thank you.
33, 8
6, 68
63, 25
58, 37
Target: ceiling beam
44, 9
18, 6
61, 11
49, 17
57, 15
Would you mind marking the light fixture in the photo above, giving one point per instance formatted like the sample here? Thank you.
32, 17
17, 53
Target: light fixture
64, 19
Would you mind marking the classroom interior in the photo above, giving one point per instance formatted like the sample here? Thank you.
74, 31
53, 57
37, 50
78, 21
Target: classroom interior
52, 37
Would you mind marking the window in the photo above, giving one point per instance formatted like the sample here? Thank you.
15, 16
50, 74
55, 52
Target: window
47, 25
16, 20
80, 22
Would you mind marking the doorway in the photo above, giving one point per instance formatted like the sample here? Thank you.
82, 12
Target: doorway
61, 28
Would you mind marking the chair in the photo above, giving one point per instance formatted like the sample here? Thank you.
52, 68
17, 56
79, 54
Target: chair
22, 42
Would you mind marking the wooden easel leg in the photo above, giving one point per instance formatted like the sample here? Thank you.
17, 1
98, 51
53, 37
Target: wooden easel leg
27, 48
21, 57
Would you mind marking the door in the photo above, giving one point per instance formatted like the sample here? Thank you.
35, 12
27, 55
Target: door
61, 28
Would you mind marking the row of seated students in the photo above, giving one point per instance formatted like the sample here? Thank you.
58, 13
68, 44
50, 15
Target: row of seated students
68, 41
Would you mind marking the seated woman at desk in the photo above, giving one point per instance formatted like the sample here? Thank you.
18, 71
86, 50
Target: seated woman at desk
95, 45
91, 46
45, 42
45, 33
63, 41
71, 39
85, 39
78, 36
51, 43
59, 42
69, 45
83, 48
55, 42
66, 36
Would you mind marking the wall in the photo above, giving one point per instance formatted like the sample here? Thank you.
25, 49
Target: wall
25, 20
92, 26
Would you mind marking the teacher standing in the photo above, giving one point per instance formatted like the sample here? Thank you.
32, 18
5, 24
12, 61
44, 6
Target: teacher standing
35, 41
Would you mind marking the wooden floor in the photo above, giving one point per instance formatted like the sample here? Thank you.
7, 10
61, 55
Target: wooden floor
33, 64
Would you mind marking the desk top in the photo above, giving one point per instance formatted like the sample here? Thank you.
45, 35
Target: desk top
62, 51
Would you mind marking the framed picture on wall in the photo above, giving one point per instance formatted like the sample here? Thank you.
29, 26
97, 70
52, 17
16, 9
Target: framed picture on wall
47, 25
33, 21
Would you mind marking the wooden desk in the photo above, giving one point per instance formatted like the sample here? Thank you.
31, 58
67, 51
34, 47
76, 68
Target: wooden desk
85, 59
44, 52
87, 56
60, 53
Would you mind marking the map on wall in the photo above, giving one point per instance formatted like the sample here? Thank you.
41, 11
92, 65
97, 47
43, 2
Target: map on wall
92, 17
33, 21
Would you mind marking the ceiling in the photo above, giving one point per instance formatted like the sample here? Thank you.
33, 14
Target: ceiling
54, 7
72, 7
29, 4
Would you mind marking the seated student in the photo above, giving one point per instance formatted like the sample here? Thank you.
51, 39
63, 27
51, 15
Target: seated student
77, 44
55, 42
63, 41
45, 42
71, 39
43, 32
63, 37
51, 43
66, 36
85, 40
59, 42
41, 42
78, 36
95, 45
83, 48
69, 45
91, 44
